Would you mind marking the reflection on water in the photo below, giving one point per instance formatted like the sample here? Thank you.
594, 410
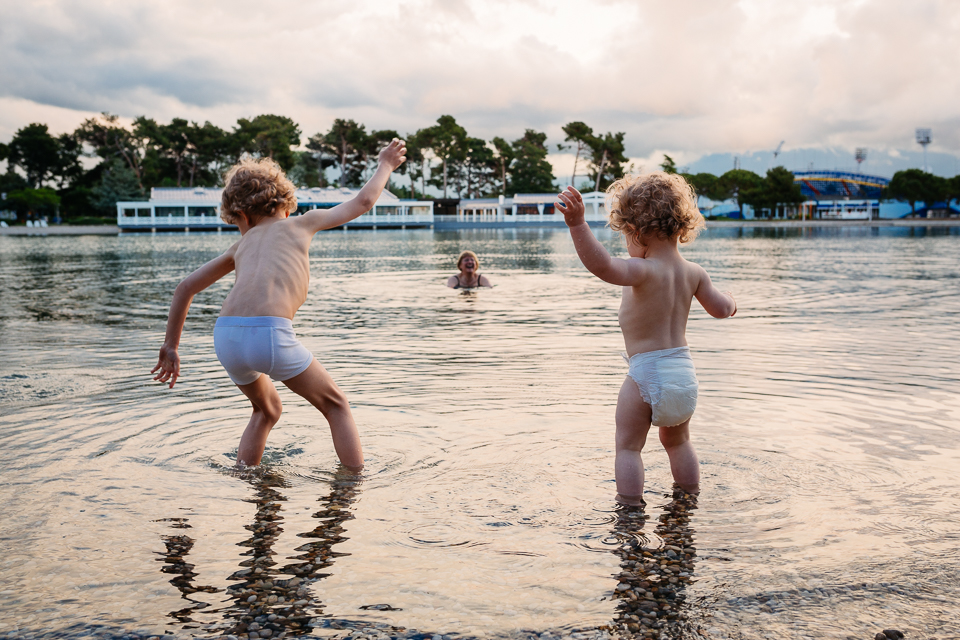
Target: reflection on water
267, 600
827, 431
655, 570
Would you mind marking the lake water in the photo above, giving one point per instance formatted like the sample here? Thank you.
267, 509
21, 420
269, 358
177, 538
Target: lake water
827, 430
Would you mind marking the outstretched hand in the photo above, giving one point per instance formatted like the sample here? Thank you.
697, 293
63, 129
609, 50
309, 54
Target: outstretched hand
570, 203
394, 154
168, 365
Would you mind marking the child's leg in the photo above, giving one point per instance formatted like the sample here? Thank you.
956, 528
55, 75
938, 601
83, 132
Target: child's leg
319, 389
633, 423
266, 413
683, 459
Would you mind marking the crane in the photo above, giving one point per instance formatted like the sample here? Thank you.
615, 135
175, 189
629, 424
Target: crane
776, 151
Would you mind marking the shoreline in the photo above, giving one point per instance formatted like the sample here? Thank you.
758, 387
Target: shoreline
451, 225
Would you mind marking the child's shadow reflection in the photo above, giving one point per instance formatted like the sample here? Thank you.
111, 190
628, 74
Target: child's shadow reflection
268, 599
653, 581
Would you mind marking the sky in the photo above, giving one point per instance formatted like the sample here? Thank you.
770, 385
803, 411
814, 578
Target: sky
705, 81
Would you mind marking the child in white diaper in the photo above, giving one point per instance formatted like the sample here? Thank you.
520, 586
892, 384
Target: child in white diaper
254, 334
653, 212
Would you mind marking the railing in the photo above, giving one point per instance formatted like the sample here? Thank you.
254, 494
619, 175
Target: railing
214, 222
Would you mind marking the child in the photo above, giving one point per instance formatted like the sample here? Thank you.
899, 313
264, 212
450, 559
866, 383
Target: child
254, 333
653, 212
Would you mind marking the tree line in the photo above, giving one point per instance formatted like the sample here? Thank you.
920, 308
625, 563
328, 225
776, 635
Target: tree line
45, 172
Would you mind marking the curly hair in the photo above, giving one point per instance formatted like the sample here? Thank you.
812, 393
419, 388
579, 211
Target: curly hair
656, 203
257, 188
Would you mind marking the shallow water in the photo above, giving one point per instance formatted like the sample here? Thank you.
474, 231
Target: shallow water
827, 430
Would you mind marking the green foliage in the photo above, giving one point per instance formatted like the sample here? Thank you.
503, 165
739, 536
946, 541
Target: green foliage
306, 172
606, 155
737, 184
668, 165
475, 168
580, 134
914, 185
531, 173
271, 136
117, 183
110, 139
36, 201
447, 141
42, 157
705, 184
343, 143
503, 158
777, 189
416, 165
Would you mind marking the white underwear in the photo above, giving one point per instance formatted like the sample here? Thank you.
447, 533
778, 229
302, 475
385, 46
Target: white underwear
248, 347
667, 382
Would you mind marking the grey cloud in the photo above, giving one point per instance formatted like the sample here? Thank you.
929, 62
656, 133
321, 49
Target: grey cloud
701, 76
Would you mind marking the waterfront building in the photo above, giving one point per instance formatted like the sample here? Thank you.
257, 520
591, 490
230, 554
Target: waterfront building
179, 209
528, 207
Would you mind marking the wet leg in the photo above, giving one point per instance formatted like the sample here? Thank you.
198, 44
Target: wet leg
633, 423
266, 413
683, 458
317, 387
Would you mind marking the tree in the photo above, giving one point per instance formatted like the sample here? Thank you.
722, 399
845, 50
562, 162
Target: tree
953, 189
110, 139
735, 184
531, 171
446, 142
504, 156
915, 185
35, 152
705, 184
475, 170
118, 183
269, 136
27, 201
306, 171
415, 166
606, 155
580, 134
668, 165
776, 189
342, 142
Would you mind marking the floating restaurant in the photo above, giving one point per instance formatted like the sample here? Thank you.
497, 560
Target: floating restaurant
527, 208
178, 209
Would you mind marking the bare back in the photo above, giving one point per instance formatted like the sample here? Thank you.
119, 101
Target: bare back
653, 314
272, 270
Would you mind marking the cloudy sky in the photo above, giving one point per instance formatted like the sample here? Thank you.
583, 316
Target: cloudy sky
703, 80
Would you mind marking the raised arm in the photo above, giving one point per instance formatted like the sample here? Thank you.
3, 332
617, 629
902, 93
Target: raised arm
168, 364
391, 157
592, 254
719, 304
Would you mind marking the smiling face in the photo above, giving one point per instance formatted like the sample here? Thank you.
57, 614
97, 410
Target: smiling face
468, 264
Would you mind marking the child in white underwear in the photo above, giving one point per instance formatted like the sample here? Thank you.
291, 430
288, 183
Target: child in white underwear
254, 334
653, 212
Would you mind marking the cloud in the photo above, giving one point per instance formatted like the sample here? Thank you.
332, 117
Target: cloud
693, 77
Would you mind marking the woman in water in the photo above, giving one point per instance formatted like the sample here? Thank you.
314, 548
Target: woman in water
468, 278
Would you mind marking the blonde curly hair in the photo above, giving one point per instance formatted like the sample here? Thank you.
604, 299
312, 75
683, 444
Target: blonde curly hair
657, 203
257, 188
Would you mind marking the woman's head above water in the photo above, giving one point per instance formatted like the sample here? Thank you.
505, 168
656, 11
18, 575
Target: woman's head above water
468, 263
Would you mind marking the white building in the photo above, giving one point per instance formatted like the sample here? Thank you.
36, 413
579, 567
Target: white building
528, 207
184, 209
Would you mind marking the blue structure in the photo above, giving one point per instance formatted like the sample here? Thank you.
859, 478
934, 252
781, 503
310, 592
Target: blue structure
839, 185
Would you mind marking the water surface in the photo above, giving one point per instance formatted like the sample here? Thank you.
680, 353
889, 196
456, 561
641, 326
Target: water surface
827, 430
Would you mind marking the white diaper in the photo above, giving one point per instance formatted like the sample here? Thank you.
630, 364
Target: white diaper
668, 383
248, 347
